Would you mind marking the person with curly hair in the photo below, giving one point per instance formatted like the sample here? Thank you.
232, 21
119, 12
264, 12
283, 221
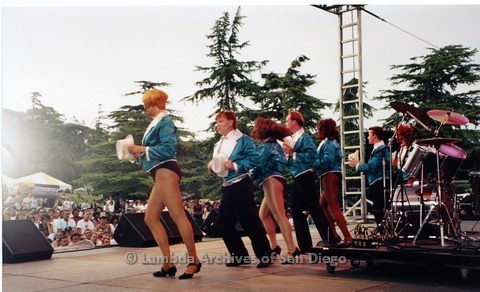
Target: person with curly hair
270, 172
328, 167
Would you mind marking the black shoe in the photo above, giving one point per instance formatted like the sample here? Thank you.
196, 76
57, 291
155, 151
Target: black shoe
262, 265
277, 250
305, 251
265, 261
336, 240
290, 257
189, 276
162, 273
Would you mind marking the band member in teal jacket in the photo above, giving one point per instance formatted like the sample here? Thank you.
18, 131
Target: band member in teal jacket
157, 153
237, 203
377, 171
328, 167
301, 152
270, 173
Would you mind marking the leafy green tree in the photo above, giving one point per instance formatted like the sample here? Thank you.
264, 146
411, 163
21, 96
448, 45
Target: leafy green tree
193, 157
229, 80
434, 81
281, 93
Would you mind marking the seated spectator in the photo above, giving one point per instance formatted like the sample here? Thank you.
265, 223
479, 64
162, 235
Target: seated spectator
62, 241
65, 221
45, 226
75, 237
85, 223
95, 218
88, 234
140, 208
68, 232
58, 234
114, 223
33, 215
21, 214
76, 215
103, 224
94, 239
106, 241
53, 214
109, 206
41, 212
130, 208
9, 214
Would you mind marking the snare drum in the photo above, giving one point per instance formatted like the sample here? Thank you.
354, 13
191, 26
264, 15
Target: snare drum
416, 157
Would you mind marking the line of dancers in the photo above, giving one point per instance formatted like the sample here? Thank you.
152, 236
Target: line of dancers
241, 164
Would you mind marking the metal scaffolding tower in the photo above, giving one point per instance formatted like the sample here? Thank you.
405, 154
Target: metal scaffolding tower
351, 107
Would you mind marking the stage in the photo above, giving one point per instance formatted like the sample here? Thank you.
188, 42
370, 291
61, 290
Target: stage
126, 269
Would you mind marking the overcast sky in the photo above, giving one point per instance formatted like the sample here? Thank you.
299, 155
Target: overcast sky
81, 57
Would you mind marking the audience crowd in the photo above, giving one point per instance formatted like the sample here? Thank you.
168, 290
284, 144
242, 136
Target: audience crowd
83, 224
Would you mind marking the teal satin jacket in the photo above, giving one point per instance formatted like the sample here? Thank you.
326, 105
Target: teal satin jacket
162, 142
271, 161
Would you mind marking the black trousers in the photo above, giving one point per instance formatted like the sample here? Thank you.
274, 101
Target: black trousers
305, 198
238, 205
380, 199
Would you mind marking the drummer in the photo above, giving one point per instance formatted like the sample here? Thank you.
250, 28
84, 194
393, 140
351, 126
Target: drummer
405, 139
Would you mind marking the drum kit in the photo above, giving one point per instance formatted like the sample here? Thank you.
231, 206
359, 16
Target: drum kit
433, 162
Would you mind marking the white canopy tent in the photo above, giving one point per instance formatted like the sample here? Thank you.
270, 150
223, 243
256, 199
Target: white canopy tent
42, 179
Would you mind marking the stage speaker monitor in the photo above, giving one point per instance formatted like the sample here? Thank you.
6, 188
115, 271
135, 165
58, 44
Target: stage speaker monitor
172, 228
209, 226
132, 231
23, 242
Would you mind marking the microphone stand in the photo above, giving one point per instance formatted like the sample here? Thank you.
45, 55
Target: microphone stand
390, 142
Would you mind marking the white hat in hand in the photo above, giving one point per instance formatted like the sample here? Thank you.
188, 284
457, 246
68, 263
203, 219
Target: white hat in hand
122, 149
218, 164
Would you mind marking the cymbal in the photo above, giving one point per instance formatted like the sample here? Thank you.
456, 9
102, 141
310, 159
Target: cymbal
437, 141
420, 116
448, 117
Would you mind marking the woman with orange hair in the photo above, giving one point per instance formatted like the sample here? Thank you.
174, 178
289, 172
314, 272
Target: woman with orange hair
270, 172
328, 167
158, 156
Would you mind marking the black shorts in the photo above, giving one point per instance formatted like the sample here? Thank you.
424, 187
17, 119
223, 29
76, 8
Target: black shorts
172, 165
280, 180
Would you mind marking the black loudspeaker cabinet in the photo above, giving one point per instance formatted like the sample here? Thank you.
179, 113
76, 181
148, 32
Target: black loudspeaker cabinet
23, 242
210, 228
132, 231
